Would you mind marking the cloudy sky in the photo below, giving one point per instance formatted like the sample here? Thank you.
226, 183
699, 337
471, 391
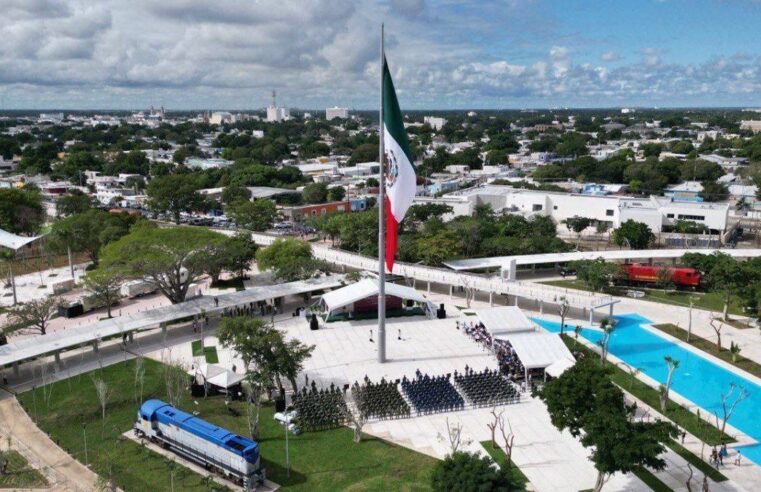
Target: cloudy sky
194, 54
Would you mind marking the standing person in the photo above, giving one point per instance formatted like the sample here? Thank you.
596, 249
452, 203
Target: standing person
738, 458
216, 301
399, 335
684, 434
371, 336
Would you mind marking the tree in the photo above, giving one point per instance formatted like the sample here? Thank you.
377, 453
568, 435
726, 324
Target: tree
664, 278
634, 234
73, 202
563, 307
174, 194
336, 194
235, 193
468, 472
32, 315
289, 259
102, 392
232, 254
717, 326
734, 349
260, 344
713, 191
584, 399
578, 225
729, 402
607, 325
596, 274
21, 210
88, 232
173, 258
315, 193
672, 365
258, 215
727, 276
366, 152
105, 285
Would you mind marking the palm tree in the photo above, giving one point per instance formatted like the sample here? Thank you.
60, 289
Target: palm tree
672, 365
606, 325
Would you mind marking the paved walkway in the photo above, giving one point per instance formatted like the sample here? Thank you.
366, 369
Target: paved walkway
68, 473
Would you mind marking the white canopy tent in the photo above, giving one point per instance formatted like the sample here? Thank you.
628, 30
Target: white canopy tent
559, 367
346, 296
216, 375
540, 350
504, 320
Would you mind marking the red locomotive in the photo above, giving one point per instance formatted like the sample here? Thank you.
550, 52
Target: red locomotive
648, 274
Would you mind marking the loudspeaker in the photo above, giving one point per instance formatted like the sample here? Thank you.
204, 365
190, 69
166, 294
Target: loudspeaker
441, 313
280, 405
313, 323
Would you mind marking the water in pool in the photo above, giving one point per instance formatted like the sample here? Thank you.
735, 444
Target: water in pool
697, 378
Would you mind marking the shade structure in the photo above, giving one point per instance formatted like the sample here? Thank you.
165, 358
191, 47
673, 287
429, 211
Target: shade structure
559, 367
14, 241
216, 375
366, 288
504, 320
539, 350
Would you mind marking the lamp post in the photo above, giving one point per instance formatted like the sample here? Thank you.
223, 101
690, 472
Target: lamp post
287, 456
84, 435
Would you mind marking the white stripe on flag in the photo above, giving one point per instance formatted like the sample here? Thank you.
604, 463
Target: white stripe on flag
401, 184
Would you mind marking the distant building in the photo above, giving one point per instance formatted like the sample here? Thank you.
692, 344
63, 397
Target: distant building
752, 125
275, 114
207, 163
299, 213
50, 118
220, 117
336, 112
435, 122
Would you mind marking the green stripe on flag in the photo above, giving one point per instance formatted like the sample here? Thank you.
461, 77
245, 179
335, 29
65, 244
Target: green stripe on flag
392, 115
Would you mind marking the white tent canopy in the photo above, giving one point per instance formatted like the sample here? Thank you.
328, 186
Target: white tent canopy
539, 350
505, 319
216, 375
363, 289
14, 241
559, 367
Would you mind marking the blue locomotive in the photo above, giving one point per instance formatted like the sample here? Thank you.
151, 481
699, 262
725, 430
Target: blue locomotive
226, 453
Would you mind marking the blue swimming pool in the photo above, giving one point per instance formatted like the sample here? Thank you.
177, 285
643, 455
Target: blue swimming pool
698, 379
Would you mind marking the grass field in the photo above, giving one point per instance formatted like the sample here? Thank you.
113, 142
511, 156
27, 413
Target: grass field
710, 347
19, 474
209, 352
711, 301
675, 412
651, 480
499, 457
326, 460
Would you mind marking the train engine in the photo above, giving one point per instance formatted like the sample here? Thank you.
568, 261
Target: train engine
226, 453
681, 277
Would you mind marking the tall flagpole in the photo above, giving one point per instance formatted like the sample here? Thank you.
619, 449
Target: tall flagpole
381, 222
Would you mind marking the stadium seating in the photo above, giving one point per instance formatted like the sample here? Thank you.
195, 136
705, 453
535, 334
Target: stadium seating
486, 388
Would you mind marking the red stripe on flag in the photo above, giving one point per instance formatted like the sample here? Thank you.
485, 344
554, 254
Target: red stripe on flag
392, 231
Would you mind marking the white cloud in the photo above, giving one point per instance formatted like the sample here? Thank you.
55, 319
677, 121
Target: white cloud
610, 56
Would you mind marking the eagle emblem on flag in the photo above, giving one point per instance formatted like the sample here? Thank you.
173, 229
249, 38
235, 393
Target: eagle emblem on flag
390, 168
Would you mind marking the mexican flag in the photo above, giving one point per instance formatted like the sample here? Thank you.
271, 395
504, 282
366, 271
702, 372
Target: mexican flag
399, 172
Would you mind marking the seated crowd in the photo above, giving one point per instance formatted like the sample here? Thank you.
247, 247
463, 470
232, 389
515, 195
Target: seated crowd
380, 400
509, 363
320, 409
476, 331
432, 394
486, 388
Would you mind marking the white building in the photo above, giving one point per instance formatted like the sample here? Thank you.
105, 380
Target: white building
336, 112
275, 114
220, 117
50, 118
207, 163
654, 211
435, 122
752, 125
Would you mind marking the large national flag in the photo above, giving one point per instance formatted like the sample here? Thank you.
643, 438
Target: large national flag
399, 172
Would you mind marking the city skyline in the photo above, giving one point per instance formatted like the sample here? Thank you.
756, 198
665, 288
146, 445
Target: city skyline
444, 55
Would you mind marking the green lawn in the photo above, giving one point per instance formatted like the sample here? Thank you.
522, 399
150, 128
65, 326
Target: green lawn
651, 480
710, 347
209, 352
19, 474
499, 457
326, 460
711, 301
675, 412
695, 460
